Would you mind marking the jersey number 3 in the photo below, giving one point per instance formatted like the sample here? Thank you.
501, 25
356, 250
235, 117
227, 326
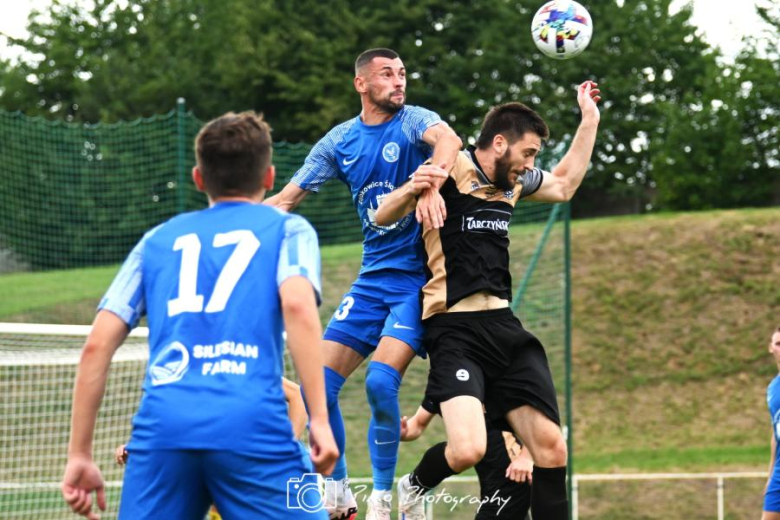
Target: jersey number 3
188, 299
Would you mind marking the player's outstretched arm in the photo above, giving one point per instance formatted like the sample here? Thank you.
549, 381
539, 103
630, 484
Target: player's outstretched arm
82, 476
287, 199
295, 407
302, 322
412, 428
401, 201
567, 176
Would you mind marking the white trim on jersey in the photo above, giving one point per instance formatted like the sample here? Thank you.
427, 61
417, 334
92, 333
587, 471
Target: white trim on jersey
299, 254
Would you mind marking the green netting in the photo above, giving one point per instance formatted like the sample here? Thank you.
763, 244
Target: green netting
78, 195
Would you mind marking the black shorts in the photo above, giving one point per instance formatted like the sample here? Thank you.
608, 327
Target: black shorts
499, 496
490, 356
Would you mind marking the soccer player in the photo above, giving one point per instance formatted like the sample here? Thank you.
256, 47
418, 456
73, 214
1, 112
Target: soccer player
219, 286
772, 488
505, 472
480, 353
373, 154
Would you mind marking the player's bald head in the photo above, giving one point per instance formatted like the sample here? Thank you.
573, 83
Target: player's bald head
366, 57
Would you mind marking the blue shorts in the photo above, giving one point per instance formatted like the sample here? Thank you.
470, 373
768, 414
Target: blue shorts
378, 305
182, 484
772, 496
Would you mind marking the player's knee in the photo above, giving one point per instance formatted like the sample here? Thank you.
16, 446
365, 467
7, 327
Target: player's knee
464, 455
551, 452
382, 384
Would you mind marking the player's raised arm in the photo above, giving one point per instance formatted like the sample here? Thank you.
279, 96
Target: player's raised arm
404, 199
82, 476
567, 176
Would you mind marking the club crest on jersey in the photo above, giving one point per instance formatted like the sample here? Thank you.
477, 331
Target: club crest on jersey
170, 365
370, 197
474, 185
391, 152
509, 194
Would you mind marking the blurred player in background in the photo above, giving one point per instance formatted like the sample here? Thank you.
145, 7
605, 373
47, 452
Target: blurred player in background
505, 472
219, 286
480, 353
772, 488
373, 154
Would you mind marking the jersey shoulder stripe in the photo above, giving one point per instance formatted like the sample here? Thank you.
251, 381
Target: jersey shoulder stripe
320, 165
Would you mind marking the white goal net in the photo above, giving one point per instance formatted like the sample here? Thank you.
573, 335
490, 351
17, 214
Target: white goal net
37, 371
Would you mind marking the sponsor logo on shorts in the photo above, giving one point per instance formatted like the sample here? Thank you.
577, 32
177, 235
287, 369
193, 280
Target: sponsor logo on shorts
462, 374
399, 326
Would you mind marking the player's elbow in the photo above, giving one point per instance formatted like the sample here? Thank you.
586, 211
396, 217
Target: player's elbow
382, 217
298, 305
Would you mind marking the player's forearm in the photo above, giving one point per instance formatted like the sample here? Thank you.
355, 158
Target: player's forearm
574, 164
396, 205
287, 199
108, 333
423, 417
445, 151
296, 408
304, 334
87, 396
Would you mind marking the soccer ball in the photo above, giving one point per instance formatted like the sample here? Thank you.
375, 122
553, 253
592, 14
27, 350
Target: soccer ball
562, 29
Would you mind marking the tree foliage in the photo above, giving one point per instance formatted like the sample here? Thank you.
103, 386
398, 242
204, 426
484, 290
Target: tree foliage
665, 90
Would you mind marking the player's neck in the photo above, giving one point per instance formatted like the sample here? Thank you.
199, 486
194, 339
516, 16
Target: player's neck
374, 115
486, 163
257, 199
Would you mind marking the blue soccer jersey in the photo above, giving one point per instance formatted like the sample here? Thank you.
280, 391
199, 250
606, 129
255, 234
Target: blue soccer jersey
773, 403
373, 160
209, 282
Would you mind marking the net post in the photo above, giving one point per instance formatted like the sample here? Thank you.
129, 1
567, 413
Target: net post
567, 353
181, 154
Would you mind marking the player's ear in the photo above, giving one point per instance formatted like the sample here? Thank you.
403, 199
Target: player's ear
360, 84
270, 176
499, 144
197, 178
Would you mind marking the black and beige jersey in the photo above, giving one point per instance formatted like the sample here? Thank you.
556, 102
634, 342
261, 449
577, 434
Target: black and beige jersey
470, 253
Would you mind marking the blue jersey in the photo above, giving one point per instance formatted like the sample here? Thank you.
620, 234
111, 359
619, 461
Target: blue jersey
209, 282
373, 160
773, 402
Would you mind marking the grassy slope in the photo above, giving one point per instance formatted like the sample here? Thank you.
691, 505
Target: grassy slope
671, 319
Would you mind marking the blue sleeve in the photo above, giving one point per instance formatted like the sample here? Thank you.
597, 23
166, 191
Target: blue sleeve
125, 297
416, 120
320, 165
300, 254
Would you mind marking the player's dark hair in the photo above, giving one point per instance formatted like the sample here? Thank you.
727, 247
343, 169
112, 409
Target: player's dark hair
233, 153
366, 57
512, 120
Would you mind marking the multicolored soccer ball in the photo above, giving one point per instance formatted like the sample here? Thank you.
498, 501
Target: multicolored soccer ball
562, 29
